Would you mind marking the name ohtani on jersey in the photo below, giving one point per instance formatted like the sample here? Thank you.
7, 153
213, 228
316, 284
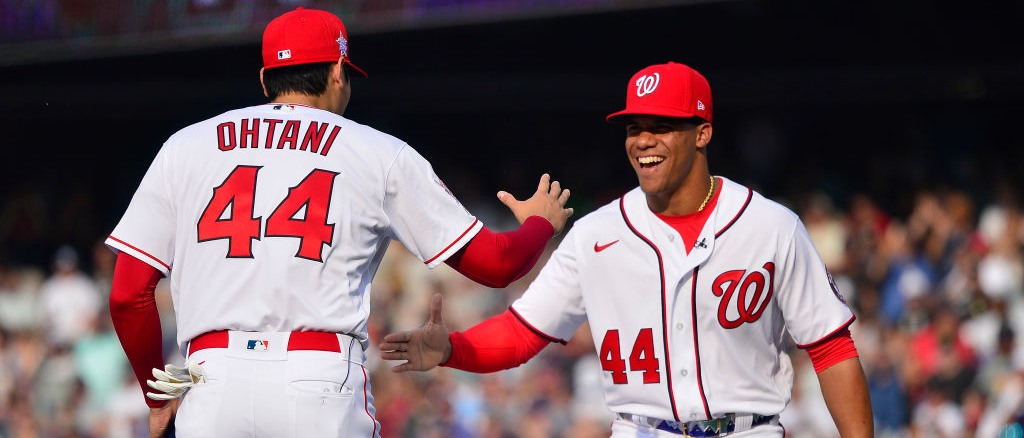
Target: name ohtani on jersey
252, 133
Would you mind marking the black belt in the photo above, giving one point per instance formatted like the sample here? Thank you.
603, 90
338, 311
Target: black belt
705, 428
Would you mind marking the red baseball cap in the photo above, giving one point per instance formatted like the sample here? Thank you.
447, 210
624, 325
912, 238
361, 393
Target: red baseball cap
306, 36
670, 90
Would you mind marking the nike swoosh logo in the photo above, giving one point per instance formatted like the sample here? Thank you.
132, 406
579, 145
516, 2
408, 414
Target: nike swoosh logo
599, 248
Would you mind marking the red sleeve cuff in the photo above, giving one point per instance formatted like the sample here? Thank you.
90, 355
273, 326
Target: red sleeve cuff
499, 343
832, 350
498, 259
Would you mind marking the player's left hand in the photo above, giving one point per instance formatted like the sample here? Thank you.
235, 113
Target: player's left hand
547, 202
423, 348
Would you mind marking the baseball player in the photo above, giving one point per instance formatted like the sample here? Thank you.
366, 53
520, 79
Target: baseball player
691, 284
270, 222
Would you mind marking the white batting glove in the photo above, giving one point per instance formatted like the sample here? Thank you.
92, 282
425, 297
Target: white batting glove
174, 381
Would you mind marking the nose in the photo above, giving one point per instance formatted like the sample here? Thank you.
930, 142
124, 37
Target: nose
645, 139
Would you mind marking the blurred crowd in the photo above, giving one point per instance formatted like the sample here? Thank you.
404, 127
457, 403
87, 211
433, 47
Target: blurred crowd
938, 294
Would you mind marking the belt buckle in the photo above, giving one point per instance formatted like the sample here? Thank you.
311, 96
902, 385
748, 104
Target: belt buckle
709, 428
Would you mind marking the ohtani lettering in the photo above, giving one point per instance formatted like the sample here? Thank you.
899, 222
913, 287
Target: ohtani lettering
315, 137
752, 293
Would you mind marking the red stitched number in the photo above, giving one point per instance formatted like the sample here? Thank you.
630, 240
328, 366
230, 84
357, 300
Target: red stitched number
313, 194
309, 199
641, 358
237, 192
611, 358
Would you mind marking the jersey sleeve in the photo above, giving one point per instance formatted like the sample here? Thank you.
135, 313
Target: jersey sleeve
811, 304
147, 229
553, 305
424, 215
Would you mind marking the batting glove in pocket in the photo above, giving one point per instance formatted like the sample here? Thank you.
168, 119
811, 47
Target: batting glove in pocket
174, 381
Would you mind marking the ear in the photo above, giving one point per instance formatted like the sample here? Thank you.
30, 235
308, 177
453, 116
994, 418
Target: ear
265, 94
704, 132
338, 72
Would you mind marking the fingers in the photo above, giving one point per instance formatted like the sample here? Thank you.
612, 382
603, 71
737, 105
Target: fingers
395, 339
393, 355
555, 189
543, 184
436, 303
563, 197
507, 199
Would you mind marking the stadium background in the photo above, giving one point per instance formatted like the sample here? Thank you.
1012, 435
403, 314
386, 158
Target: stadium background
889, 126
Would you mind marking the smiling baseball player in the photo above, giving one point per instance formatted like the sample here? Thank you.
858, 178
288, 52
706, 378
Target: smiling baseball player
270, 222
690, 283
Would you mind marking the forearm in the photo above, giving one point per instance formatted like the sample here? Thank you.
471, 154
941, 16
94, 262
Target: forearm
498, 259
136, 318
845, 390
498, 343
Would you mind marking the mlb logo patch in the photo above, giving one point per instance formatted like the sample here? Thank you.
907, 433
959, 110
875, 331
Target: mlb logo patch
284, 54
257, 345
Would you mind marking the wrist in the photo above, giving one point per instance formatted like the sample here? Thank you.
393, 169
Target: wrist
449, 348
540, 224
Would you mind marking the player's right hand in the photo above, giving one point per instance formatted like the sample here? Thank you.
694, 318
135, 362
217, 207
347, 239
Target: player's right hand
161, 419
174, 381
421, 349
547, 202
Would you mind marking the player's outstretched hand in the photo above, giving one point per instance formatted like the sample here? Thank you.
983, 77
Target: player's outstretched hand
547, 202
423, 348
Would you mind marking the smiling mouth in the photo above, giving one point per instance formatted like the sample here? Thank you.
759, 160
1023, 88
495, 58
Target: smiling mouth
649, 162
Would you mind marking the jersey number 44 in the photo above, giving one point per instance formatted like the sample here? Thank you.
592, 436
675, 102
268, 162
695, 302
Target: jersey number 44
302, 214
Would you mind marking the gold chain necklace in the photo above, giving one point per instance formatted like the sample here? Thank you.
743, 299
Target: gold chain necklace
708, 197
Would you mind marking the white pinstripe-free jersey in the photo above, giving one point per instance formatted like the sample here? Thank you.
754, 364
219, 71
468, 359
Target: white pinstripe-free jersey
275, 218
693, 336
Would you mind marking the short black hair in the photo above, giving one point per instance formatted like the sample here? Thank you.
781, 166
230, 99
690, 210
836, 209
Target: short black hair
309, 79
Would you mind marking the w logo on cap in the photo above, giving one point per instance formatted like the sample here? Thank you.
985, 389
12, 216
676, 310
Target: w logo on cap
646, 84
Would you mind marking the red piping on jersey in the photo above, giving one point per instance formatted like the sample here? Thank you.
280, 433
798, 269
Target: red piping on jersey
366, 401
453, 242
696, 344
535, 329
845, 325
746, 203
165, 265
664, 314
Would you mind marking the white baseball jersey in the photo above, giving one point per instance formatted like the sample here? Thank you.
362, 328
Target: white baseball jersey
275, 218
689, 337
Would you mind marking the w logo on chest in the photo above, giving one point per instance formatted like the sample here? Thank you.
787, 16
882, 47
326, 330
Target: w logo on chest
749, 293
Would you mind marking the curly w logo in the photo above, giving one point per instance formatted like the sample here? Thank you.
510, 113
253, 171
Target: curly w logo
647, 84
747, 292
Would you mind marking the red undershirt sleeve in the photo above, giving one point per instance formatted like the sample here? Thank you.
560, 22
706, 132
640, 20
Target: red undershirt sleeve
497, 259
498, 343
832, 350
136, 318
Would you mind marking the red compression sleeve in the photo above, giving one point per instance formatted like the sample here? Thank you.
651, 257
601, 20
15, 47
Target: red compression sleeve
497, 259
832, 350
499, 343
136, 318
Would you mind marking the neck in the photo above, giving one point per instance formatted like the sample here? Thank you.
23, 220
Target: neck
692, 198
320, 101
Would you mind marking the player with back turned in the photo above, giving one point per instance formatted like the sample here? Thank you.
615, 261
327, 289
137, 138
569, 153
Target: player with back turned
690, 283
270, 222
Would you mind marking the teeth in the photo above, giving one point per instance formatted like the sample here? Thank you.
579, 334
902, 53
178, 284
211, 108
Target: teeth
650, 160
